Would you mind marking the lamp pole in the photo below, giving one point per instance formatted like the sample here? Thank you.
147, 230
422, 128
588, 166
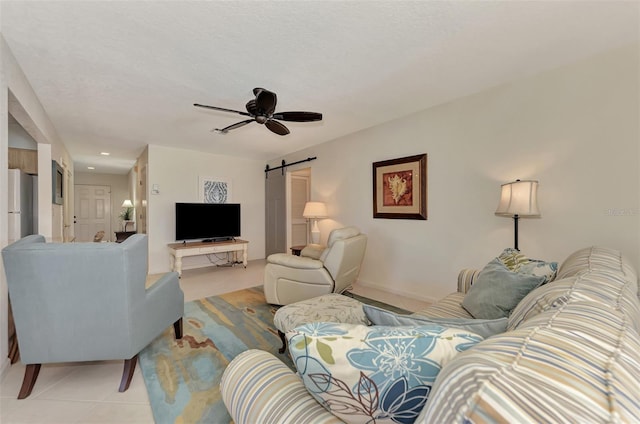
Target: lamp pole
515, 231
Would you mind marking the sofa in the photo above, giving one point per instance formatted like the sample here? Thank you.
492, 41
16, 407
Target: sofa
570, 353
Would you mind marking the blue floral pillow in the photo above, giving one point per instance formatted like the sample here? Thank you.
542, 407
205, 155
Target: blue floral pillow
374, 374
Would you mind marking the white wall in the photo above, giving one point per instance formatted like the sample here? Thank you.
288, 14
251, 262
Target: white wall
574, 129
4, 210
176, 172
18, 98
19, 138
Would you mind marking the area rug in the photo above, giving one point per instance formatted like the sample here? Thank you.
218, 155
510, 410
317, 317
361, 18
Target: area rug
183, 377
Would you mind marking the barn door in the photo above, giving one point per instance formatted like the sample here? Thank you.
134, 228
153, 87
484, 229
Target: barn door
275, 213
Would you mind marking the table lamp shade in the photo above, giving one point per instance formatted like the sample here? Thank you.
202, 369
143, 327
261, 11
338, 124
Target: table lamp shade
127, 204
519, 198
315, 210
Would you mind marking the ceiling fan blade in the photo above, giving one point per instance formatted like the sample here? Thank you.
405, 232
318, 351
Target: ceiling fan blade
221, 109
277, 127
233, 126
265, 101
298, 116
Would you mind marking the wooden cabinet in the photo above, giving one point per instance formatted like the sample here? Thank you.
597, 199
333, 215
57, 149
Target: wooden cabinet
24, 159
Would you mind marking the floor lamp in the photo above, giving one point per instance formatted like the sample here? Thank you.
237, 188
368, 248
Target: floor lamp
519, 199
315, 211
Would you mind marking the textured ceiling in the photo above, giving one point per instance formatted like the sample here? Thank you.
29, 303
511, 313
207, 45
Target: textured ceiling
115, 76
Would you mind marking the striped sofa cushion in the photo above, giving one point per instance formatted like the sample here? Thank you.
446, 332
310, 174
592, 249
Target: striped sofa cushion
466, 278
540, 375
449, 306
571, 355
605, 289
286, 400
597, 258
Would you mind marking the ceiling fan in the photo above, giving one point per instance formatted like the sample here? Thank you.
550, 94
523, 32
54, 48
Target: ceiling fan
262, 110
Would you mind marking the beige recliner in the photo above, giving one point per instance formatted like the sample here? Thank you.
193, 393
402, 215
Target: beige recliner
289, 279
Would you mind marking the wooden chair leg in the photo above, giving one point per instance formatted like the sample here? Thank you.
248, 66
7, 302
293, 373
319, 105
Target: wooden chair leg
14, 351
30, 377
127, 373
177, 328
284, 342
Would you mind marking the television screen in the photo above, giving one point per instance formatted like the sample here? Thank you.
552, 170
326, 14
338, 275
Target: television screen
207, 221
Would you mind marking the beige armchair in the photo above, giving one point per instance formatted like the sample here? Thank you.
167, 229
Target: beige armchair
289, 279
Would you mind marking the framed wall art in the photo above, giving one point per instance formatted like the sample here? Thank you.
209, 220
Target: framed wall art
214, 190
400, 188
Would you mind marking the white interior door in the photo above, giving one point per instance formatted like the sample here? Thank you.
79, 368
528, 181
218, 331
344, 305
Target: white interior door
299, 228
92, 212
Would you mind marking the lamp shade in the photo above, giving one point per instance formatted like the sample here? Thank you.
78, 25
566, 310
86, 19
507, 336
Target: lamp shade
315, 210
519, 197
127, 204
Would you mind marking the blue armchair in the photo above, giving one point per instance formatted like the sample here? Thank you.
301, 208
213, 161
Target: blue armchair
76, 302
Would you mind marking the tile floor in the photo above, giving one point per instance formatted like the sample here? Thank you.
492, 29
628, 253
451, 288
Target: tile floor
88, 392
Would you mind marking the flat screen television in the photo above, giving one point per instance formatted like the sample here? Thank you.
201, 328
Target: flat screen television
207, 221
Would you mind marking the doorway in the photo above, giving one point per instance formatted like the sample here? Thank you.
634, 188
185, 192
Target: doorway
92, 211
298, 189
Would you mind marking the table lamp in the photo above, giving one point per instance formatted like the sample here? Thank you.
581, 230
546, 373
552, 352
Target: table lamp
314, 211
519, 199
127, 215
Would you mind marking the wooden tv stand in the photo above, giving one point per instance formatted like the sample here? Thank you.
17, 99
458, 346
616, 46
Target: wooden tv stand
180, 250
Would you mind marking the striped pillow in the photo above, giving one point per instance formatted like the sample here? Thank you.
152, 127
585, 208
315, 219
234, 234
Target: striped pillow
257, 387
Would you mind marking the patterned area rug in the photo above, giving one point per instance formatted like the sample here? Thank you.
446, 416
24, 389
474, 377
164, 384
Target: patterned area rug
182, 377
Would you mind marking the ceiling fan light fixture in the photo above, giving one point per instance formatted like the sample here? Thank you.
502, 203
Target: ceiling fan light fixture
262, 110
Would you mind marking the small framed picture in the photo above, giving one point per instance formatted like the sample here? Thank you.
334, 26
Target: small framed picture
214, 190
400, 188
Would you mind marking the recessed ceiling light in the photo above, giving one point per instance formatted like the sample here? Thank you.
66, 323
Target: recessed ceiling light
105, 153
91, 167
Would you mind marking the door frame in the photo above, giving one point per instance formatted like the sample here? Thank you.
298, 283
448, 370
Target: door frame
305, 172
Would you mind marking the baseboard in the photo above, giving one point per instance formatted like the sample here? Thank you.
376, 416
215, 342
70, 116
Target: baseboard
4, 368
403, 293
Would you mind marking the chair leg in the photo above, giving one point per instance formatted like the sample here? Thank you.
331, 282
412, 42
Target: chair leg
177, 328
127, 373
29, 380
284, 342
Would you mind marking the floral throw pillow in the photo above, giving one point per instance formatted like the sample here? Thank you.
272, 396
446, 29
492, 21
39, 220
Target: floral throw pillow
513, 259
548, 270
516, 261
374, 374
